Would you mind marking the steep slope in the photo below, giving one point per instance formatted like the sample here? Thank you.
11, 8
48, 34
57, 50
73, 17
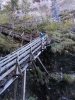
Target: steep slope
44, 7
66, 4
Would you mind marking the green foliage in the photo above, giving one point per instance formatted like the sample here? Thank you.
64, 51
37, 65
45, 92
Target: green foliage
13, 4
55, 76
61, 41
40, 75
69, 35
72, 48
14, 1
3, 19
31, 98
69, 78
62, 38
7, 44
51, 27
17, 27
67, 23
27, 17
47, 26
8, 7
55, 47
25, 6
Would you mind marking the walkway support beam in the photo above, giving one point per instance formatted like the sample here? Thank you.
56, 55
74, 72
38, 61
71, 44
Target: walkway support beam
24, 85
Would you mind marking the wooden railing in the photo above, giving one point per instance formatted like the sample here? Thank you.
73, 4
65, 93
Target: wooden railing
16, 62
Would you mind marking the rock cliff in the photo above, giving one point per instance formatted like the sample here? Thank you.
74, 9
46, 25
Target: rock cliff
45, 7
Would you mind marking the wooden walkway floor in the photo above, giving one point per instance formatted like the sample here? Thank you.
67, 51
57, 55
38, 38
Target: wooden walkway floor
16, 63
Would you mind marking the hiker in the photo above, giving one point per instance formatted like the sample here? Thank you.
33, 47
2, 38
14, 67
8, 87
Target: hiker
42, 34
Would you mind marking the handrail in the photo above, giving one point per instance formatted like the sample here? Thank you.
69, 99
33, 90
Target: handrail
20, 58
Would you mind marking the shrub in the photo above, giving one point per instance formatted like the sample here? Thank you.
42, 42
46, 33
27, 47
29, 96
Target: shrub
3, 19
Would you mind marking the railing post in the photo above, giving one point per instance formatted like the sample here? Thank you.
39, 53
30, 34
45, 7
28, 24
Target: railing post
22, 36
24, 85
42, 45
18, 69
16, 82
48, 40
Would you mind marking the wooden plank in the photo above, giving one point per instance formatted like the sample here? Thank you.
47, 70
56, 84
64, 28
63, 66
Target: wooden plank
14, 61
7, 85
15, 89
24, 59
25, 67
35, 56
13, 58
10, 63
7, 72
23, 85
21, 50
36, 50
12, 68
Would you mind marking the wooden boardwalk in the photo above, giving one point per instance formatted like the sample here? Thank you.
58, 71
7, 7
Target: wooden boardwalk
16, 63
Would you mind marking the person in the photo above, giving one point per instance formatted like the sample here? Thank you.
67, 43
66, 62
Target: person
42, 34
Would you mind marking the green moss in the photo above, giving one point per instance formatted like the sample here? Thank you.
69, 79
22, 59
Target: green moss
3, 19
31, 98
61, 41
72, 48
40, 75
27, 17
55, 76
55, 47
6, 44
69, 78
